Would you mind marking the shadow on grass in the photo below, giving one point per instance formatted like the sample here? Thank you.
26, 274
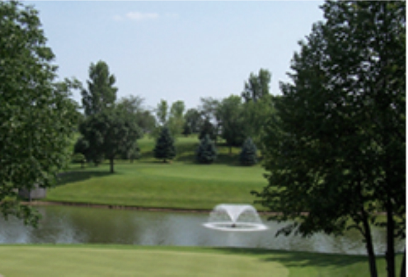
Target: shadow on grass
78, 176
299, 259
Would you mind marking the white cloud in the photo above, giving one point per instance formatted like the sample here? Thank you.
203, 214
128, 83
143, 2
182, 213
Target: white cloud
139, 16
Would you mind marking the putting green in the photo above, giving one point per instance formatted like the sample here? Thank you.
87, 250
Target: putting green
99, 261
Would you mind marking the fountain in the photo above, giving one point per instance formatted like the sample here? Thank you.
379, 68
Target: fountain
235, 217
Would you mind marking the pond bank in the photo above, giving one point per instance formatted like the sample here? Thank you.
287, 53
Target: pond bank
121, 207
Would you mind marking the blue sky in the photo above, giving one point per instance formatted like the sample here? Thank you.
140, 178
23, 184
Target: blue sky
177, 50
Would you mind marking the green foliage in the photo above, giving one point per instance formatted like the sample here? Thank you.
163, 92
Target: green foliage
336, 147
162, 112
206, 151
186, 129
176, 118
231, 115
194, 120
257, 86
164, 148
36, 114
207, 129
248, 155
133, 106
110, 133
101, 93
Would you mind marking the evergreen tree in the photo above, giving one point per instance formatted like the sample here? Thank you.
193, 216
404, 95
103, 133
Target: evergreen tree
206, 152
164, 148
248, 153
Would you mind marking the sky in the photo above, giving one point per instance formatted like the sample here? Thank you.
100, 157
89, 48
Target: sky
182, 50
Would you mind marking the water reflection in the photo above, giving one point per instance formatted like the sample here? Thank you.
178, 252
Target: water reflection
71, 225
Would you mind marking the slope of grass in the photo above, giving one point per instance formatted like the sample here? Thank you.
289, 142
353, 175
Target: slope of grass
151, 183
176, 185
115, 260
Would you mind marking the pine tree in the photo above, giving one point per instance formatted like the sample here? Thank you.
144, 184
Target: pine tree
164, 148
206, 152
248, 153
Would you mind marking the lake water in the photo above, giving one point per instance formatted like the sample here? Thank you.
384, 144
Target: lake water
76, 225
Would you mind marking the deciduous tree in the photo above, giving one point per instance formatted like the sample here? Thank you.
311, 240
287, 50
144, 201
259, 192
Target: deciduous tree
101, 93
36, 114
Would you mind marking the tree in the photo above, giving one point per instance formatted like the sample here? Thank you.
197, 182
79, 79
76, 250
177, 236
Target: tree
194, 120
335, 148
110, 133
233, 128
206, 151
248, 155
36, 114
186, 129
133, 106
207, 129
101, 93
162, 112
257, 86
81, 147
164, 148
209, 113
176, 118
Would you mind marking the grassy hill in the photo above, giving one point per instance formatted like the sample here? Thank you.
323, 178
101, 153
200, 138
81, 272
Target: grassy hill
150, 183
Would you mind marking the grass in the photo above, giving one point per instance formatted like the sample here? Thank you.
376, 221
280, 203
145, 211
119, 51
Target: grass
149, 183
121, 260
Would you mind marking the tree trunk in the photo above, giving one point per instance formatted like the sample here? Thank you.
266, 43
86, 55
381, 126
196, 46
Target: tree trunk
111, 166
403, 272
390, 254
369, 245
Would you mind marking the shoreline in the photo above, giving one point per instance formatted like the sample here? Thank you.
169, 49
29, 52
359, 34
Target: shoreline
122, 207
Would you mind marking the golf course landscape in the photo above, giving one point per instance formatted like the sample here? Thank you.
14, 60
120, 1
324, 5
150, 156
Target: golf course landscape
180, 184
150, 183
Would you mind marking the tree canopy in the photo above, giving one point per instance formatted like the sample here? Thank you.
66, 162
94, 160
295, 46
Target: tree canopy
36, 114
336, 147
101, 93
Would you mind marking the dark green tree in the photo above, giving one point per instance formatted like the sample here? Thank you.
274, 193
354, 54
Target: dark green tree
81, 147
109, 134
101, 93
36, 114
186, 129
206, 152
207, 129
193, 118
257, 86
164, 149
336, 147
232, 121
248, 155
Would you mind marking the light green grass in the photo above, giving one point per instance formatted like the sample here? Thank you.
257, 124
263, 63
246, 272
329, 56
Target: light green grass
116, 260
150, 183
176, 185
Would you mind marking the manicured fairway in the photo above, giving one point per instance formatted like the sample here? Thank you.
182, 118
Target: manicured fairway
114, 260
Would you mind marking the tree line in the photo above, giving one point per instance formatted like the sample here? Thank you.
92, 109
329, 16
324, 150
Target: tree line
110, 129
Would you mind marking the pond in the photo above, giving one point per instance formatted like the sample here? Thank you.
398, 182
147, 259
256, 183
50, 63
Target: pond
76, 225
